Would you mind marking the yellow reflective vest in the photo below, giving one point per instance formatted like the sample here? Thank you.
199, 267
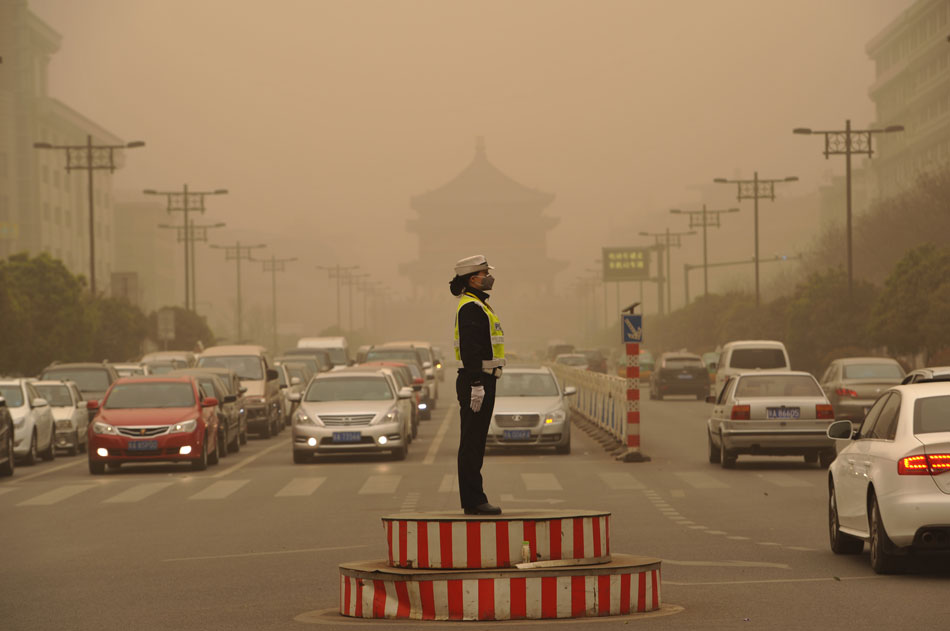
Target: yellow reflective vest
497, 334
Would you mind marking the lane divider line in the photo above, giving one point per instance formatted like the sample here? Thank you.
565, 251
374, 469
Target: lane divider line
45, 471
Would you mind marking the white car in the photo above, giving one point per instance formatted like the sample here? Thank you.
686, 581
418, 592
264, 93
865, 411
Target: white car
34, 433
69, 414
890, 484
531, 410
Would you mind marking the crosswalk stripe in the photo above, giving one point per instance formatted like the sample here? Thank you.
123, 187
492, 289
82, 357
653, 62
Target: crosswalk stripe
380, 484
57, 495
449, 483
219, 490
137, 493
621, 481
300, 487
541, 482
699, 480
6, 489
784, 480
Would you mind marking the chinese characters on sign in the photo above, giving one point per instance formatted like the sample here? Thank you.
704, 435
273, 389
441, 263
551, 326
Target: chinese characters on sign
626, 264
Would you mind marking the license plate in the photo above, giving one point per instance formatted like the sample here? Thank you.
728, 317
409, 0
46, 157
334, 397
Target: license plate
686, 376
783, 412
142, 445
347, 437
517, 434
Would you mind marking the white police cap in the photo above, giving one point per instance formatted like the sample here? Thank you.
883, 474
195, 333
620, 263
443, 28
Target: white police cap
471, 264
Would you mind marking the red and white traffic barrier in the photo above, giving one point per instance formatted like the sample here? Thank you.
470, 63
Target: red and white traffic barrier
451, 541
625, 585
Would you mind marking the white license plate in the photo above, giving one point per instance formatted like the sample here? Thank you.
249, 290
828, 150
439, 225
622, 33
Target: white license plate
783, 413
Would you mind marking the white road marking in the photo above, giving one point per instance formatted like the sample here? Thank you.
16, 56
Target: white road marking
45, 471
449, 483
137, 493
738, 538
300, 487
439, 436
715, 532
820, 579
7, 489
380, 485
768, 543
800, 548
250, 459
219, 490
678, 493
699, 480
261, 554
57, 495
621, 482
784, 480
541, 482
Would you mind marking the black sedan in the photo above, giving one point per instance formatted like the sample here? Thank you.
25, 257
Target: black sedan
679, 373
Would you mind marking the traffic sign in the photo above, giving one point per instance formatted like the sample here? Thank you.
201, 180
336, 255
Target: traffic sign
626, 264
632, 328
166, 324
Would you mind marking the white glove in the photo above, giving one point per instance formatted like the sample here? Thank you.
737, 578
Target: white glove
478, 395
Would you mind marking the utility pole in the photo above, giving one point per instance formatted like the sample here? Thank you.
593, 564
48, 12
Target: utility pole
337, 272
274, 265
667, 240
350, 280
237, 252
194, 232
703, 218
186, 201
849, 142
89, 158
756, 189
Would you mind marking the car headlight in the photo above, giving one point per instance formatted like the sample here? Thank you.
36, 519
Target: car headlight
557, 416
104, 428
19, 423
389, 417
305, 419
184, 427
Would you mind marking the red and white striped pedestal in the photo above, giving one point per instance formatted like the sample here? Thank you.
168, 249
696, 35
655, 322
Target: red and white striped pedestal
626, 584
454, 541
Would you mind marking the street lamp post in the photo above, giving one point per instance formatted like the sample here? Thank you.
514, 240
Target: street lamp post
849, 142
89, 158
704, 218
194, 232
666, 240
237, 252
338, 272
274, 265
756, 189
687, 268
186, 201
352, 279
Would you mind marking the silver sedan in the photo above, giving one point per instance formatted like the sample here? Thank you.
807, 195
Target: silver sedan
530, 411
779, 413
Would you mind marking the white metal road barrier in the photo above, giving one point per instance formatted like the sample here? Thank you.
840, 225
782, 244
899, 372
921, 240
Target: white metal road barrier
601, 398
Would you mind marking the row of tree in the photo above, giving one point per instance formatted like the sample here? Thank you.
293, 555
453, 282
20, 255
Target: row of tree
47, 314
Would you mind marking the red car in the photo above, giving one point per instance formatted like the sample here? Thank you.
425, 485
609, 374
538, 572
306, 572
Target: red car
151, 419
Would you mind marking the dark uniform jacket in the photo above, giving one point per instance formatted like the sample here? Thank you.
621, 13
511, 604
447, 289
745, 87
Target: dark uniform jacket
474, 337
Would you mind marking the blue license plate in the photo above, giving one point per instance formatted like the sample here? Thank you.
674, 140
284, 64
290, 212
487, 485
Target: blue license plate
517, 434
142, 445
783, 413
347, 437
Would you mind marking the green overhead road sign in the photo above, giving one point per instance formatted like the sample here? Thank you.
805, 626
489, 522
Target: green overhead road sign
626, 264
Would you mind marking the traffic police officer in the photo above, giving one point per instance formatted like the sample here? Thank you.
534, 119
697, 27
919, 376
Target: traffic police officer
480, 346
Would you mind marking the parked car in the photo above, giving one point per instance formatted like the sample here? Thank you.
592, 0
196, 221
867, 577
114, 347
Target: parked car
405, 378
596, 361
130, 369
254, 369
321, 357
679, 373
351, 411
181, 359
232, 385
34, 431
574, 360
229, 410
154, 419
778, 413
531, 410
69, 414
337, 347
852, 384
92, 379
408, 354
744, 355
314, 365
163, 366
927, 375
890, 484
7, 455
427, 358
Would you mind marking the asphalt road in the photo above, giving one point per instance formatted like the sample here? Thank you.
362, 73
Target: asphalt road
254, 542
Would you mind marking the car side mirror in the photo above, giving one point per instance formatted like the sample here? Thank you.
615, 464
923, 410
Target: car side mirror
570, 391
242, 389
295, 397
710, 399
295, 381
92, 405
427, 365
39, 402
210, 402
272, 374
230, 398
405, 393
283, 386
841, 430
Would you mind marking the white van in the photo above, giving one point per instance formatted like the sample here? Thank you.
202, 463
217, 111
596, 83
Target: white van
336, 346
745, 355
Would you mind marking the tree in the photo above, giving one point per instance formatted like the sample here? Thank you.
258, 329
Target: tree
118, 329
191, 330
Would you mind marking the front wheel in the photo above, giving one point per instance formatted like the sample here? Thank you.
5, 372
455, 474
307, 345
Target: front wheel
213, 458
96, 468
6, 469
32, 454
302, 457
201, 463
841, 543
826, 457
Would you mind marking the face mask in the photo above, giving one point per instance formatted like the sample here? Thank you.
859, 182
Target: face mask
487, 282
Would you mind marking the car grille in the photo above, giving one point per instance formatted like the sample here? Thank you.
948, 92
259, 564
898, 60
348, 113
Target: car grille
517, 420
138, 432
344, 420
64, 424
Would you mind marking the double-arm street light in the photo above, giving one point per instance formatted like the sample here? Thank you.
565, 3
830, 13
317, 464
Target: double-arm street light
849, 142
666, 240
703, 218
338, 272
238, 252
756, 189
89, 158
274, 265
185, 201
189, 235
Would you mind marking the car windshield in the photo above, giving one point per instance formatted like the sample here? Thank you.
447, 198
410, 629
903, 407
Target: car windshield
873, 371
310, 362
683, 362
393, 355
247, 367
57, 396
207, 387
526, 385
777, 386
932, 415
757, 358
161, 368
13, 395
349, 389
159, 394
88, 379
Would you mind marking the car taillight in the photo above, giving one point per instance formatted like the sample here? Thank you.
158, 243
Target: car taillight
823, 410
846, 392
924, 464
740, 413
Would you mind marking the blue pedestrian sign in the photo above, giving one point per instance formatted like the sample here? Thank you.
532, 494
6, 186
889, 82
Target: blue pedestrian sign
632, 328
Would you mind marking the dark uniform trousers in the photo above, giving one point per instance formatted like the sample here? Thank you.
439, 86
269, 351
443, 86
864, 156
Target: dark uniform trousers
472, 442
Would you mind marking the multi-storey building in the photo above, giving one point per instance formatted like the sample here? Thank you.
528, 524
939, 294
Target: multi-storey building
912, 88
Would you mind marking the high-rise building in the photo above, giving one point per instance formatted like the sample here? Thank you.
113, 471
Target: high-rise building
911, 88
